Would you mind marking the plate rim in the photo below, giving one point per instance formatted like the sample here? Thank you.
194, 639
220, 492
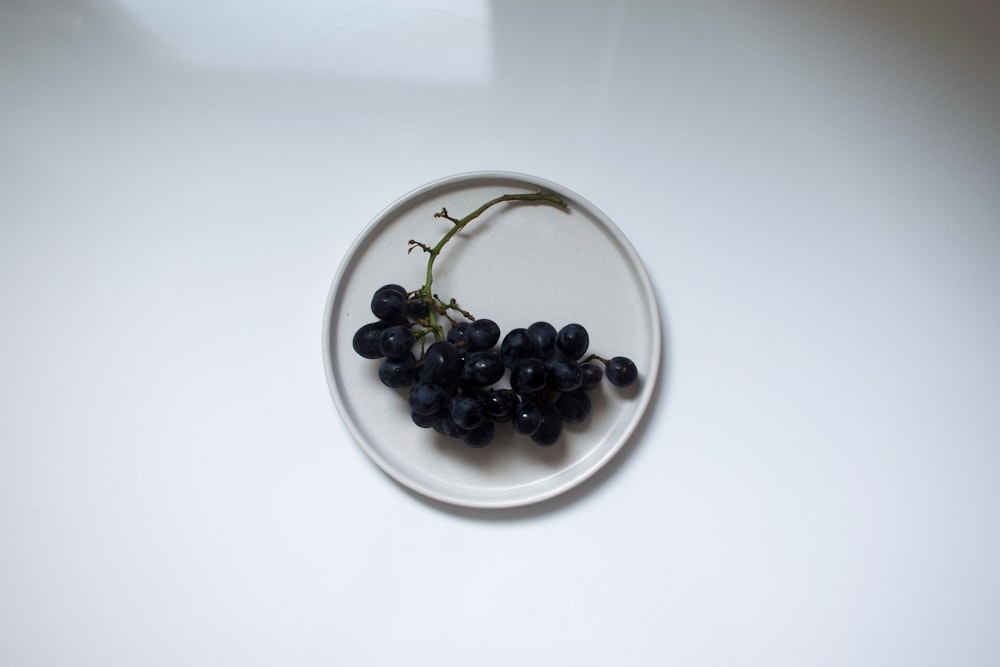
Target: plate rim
644, 397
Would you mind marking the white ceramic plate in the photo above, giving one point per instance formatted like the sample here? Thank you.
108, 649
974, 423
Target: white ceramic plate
517, 264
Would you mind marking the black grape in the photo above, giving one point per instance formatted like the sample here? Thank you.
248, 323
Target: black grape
447, 426
480, 436
482, 335
572, 341
499, 404
621, 371
592, 374
563, 374
456, 334
442, 364
396, 342
389, 305
393, 287
482, 369
426, 399
528, 377
527, 418
545, 340
366, 340
550, 428
417, 309
518, 344
425, 421
467, 412
397, 373
573, 406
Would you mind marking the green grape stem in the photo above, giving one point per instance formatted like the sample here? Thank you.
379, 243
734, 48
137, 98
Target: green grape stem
458, 224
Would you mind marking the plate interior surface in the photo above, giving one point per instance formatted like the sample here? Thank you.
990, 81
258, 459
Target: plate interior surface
518, 263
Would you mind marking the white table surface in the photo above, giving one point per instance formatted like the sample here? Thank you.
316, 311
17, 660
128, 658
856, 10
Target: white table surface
813, 188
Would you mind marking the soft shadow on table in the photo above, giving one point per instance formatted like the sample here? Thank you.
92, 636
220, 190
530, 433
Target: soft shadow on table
591, 485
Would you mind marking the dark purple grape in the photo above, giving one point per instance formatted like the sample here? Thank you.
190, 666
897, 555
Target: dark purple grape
527, 418
417, 308
482, 369
592, 374
392, 287
396, 342
426, 399
621, 371
572, 341
573, 406
389, 305
441, 364
518, 344
467, 411
480, 436
447, 426
456, 334
550, 428
545, 339
563, 374
425, 421
499, 404
528, 377
397, 373
366, 340
482, 335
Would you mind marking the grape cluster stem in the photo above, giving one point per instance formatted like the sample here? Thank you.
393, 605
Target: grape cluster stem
458, 224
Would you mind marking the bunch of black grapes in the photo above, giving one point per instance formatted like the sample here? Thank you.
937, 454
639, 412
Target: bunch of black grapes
451, 381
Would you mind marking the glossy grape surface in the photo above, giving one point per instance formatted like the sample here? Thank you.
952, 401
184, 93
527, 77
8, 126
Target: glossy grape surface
528, 377
456, 384
395, 342
518, 344
572, 341
545, 340
621, 371
550, 428
482, 335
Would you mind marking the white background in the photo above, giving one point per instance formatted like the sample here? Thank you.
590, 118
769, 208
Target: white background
813, 187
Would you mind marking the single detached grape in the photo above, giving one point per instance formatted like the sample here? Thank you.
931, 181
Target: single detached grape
482, 335
621, 371
545, 340
572, 341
